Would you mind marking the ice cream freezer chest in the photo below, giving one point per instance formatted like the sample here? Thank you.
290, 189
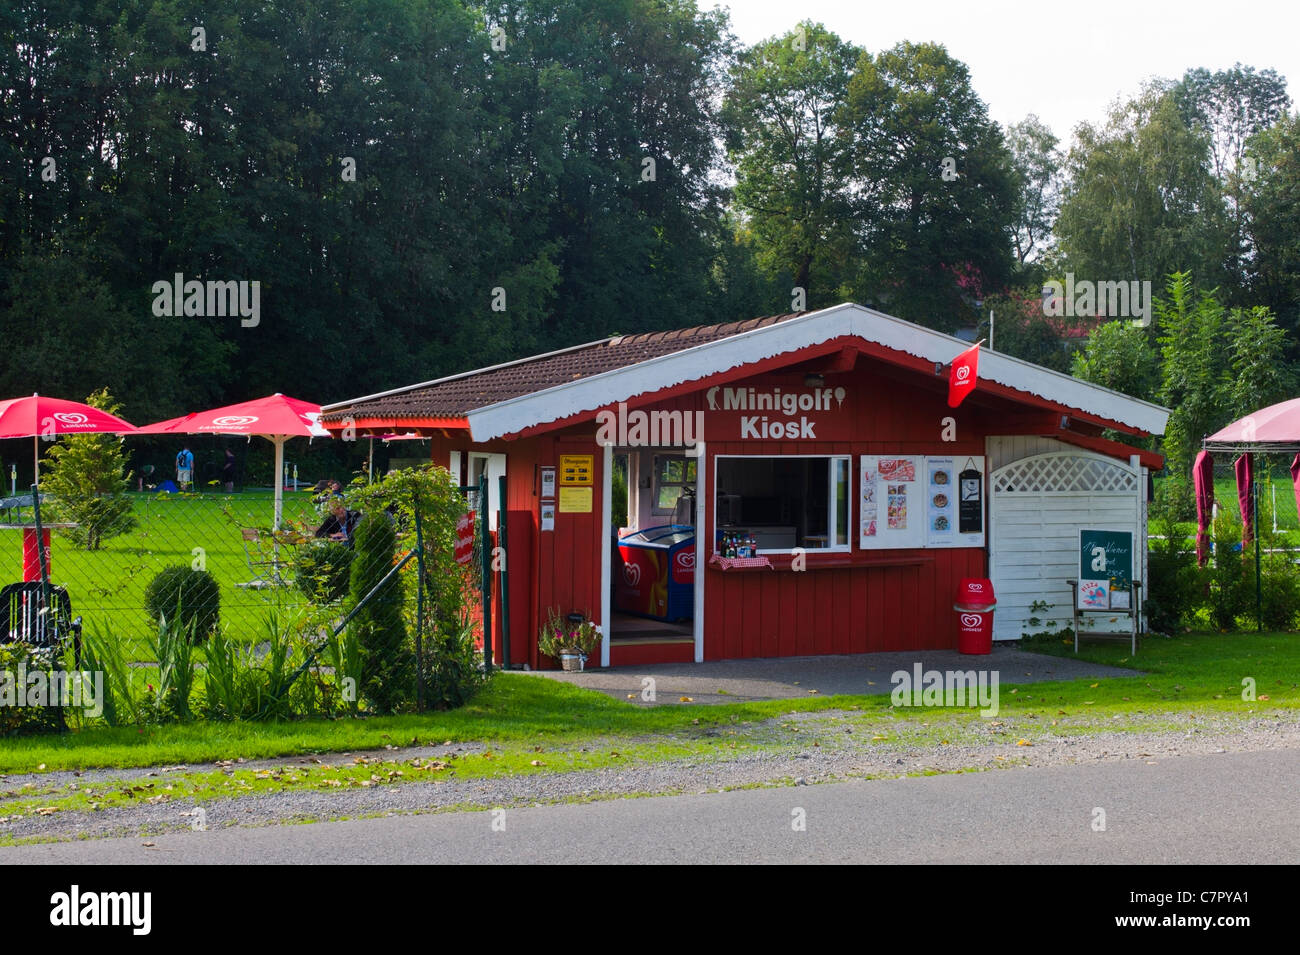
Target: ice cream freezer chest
657, 574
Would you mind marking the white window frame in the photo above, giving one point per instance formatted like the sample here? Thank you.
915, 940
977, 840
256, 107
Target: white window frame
495, 465
655, 509
845, 548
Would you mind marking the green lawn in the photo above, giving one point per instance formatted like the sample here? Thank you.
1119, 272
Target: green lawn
1184, 675
107, 585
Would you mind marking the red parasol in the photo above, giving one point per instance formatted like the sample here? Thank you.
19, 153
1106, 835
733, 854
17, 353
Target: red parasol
276, 418
37, 416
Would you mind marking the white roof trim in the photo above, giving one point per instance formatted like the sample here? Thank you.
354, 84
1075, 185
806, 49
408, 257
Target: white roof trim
768, 341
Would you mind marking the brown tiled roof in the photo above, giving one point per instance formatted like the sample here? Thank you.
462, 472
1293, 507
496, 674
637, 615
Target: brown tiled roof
456, 396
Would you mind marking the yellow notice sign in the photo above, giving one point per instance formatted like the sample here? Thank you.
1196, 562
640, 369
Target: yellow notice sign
575, 500
576, 468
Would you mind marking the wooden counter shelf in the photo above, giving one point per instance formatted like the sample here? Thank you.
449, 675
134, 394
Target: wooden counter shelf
815, 561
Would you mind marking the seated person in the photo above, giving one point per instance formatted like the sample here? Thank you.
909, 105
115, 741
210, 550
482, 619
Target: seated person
339, 523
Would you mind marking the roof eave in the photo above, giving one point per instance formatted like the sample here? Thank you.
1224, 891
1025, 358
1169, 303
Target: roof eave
591, 393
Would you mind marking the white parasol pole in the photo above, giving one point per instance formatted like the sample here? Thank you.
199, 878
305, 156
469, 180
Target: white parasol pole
278, 440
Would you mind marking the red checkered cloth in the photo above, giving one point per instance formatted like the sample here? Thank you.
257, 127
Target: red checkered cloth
730, 563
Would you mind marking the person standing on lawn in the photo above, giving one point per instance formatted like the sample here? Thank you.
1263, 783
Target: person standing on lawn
228, 471
184, 468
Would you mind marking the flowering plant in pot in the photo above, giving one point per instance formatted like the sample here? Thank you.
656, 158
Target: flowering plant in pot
569, 642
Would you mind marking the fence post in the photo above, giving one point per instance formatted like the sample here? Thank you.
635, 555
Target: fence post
419, 612
487, 570
505, 579
1259, 603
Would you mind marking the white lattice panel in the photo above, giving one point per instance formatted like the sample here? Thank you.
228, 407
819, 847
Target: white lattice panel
1064, 472
1037, 506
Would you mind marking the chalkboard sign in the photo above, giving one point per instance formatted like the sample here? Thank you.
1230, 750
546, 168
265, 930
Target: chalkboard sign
1106, 555
1105, 569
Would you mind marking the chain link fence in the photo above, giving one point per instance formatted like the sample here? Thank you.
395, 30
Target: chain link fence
1277, 503
220, 559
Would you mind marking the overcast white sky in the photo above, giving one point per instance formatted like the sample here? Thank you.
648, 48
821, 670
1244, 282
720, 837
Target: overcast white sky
1065, 61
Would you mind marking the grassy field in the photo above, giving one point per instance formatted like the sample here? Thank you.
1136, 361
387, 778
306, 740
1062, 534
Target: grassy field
1276, 501
1201, 673
107, 585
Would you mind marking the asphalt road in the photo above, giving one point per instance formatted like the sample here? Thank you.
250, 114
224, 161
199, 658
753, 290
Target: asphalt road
1227, 808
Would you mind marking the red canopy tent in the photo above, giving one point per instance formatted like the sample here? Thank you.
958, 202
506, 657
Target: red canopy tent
1271, 430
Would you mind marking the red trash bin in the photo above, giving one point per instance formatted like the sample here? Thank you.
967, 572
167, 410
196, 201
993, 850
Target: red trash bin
974, 605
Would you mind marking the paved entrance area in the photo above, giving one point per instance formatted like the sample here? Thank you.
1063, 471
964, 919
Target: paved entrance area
728, 681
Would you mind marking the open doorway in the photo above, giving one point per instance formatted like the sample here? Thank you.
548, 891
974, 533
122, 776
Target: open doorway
652, 576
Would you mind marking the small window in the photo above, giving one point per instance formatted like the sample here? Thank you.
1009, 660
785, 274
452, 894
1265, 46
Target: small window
785, 502
673, 474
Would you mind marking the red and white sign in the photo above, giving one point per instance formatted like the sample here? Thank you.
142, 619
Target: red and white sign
975, 593
964, 374
465, 538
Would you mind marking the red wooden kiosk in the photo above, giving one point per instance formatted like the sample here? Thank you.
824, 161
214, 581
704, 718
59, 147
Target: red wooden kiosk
825, 437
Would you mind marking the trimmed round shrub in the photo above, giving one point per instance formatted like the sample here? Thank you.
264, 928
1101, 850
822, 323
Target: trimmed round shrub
323, 570
193, 594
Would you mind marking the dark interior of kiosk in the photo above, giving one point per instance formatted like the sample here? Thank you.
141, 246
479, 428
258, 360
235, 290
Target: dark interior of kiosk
781, 502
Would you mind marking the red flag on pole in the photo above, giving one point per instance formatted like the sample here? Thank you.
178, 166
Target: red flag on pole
962, 378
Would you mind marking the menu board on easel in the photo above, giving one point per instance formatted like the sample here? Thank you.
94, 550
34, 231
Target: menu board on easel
892, 506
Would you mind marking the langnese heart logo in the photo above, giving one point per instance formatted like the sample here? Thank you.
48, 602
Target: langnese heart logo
963, 372
971, 620
234, 420
71, 417
632, 574
686, 559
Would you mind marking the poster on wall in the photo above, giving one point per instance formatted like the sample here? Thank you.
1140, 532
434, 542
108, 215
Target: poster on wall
920, 501
892, 511
954, 501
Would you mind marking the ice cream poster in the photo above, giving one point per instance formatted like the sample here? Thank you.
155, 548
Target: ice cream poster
891, 506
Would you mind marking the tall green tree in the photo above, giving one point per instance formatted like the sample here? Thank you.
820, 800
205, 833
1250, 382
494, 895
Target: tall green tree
791, 155
1219, 364
1271, 209
1196, 371
932, 185
382, 168
1036, 163
1141, 201
1230, 107
87, 482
